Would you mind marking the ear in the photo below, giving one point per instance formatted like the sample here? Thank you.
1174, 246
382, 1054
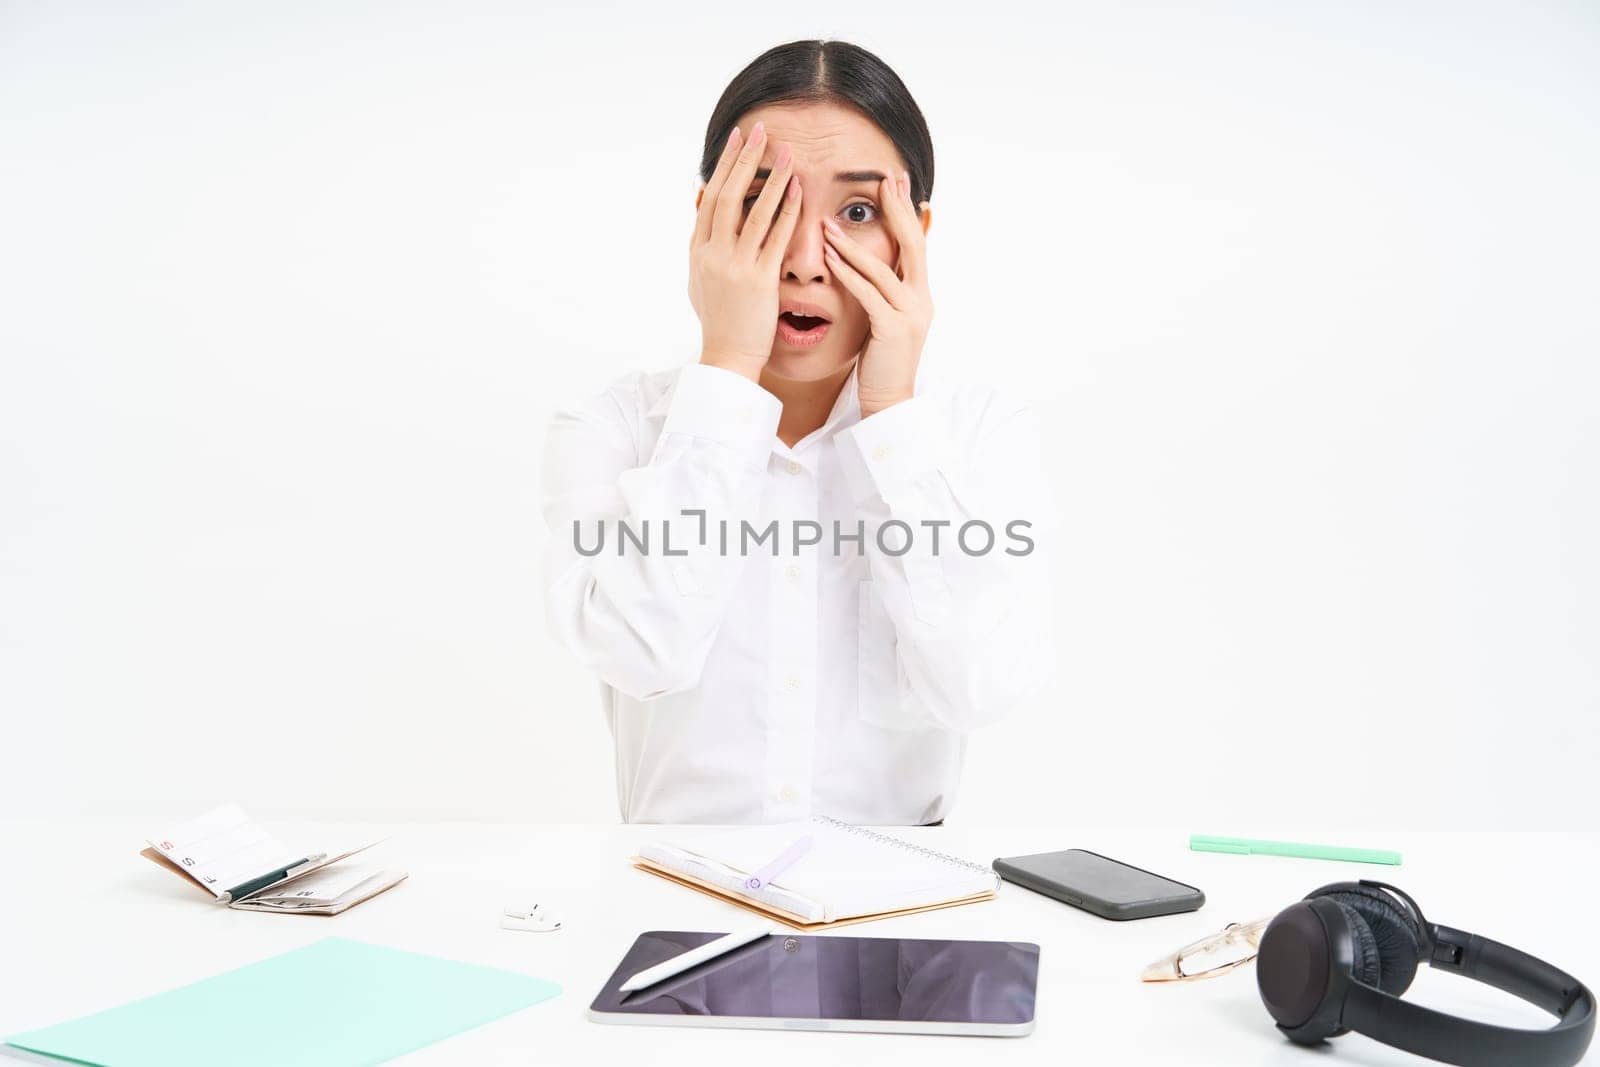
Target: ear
698, 197
927, 217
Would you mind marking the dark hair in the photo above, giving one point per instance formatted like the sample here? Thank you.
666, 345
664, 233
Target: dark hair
827, 72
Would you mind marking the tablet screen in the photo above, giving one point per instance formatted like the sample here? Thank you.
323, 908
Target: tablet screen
798, 976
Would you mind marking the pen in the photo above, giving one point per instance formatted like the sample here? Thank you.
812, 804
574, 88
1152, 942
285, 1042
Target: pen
699, 972
785, 860
1244, 846
684, 960
244, 889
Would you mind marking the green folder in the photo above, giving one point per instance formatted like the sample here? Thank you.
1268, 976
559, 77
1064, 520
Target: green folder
333, 1002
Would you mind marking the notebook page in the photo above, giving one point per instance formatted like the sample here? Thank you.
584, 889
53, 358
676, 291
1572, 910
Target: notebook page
720, 874
848, 873
323, 887
223, 848
368, 888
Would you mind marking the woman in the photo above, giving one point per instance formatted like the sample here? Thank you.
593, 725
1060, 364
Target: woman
793, 606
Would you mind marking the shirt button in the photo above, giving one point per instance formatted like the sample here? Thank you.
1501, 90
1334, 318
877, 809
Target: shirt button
787, 793
792, 467
790, 684
881, 452
792, 572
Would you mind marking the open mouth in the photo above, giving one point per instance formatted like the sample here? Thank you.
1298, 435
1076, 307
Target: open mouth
801, 331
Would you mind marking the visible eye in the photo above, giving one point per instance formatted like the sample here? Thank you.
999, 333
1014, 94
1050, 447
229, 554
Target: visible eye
854, 220
863, 205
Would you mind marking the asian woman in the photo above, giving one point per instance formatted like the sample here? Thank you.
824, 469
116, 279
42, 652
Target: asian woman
802, 569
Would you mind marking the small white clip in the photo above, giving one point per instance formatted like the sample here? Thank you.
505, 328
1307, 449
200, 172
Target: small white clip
523, 917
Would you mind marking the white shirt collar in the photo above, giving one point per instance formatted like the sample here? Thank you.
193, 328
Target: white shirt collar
846, 409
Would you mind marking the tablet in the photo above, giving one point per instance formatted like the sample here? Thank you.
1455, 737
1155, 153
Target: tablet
805, 982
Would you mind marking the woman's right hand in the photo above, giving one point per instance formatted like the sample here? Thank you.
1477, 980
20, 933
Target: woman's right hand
733, 276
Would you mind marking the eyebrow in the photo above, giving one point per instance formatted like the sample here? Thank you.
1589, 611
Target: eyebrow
847, 177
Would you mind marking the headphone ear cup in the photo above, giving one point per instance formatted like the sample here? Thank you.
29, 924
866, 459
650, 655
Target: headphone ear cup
1393, 929
1294, 966
1292, 969
1367, 966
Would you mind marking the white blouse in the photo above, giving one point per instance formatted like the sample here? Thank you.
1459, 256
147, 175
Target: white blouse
823, 629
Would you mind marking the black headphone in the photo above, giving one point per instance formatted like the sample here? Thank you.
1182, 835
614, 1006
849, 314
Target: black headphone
1339, 960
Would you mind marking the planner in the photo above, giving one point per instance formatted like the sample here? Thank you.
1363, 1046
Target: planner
332, 1003
240, 864
850, 874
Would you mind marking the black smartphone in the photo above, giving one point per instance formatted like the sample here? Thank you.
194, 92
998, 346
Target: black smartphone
1099, 884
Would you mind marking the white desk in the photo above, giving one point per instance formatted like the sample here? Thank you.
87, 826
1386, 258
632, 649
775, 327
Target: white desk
133, 929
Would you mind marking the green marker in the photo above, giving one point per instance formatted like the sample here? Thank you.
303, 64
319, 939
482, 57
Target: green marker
1243, 846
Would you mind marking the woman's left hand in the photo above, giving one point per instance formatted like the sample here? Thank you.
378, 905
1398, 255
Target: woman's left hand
897, 303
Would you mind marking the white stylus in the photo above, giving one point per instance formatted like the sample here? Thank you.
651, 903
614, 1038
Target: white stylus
684, 960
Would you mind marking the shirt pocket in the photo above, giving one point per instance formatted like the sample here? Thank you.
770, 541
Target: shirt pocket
877, 664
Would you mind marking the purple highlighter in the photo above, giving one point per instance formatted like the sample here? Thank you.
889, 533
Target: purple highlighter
786, 860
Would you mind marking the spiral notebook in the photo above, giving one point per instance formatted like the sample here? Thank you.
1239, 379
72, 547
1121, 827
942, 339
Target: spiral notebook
849, 875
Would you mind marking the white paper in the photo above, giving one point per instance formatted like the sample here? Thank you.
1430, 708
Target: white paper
321, 887
847, 872
370, 886
223, 848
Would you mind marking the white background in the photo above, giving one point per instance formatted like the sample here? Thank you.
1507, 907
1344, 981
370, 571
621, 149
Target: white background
288, 291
